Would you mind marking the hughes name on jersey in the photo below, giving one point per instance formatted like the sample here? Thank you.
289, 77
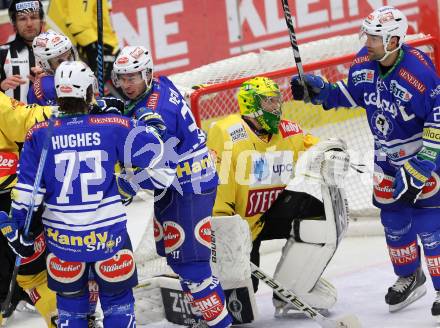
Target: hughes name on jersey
195, 170
403, 111
84, 218
252, 171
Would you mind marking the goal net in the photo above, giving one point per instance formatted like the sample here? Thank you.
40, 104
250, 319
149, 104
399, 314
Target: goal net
212, 93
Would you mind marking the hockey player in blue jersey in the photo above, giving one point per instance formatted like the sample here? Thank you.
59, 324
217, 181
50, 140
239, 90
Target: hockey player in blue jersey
84, 219
50, 50
183, 211
400, 90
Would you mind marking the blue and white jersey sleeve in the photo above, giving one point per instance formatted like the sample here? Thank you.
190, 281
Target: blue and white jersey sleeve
42, 91
350, 93
186, 142
431, 128
149, 156
28, 165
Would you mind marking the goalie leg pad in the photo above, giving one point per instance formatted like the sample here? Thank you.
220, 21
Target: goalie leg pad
231, 248
118, 309
312, 245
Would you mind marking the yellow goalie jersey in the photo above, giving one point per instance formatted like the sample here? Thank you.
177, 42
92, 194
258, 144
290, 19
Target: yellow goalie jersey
253, 171
15, 120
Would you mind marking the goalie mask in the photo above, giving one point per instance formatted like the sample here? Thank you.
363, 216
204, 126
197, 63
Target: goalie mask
133, 59
385, 22
260, 98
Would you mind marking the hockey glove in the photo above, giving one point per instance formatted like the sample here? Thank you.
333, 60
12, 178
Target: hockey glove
108, 105
21, 247
317, 88
126, 188
150, 118
109, 56
411, 178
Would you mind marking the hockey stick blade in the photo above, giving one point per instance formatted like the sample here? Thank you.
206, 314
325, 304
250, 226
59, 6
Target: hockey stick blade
347, 321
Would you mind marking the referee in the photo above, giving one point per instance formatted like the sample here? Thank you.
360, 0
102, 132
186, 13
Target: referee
16, 57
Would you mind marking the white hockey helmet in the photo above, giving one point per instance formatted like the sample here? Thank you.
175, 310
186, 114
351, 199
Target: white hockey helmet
72, 79
49, 45
133, 59
386, 22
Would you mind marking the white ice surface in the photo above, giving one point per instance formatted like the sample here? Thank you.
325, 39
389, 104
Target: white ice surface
360, 271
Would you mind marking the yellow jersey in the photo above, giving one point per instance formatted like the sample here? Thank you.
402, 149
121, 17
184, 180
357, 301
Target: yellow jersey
253, 171
77, 20
16, 119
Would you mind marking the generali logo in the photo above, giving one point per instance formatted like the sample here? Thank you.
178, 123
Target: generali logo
411, 79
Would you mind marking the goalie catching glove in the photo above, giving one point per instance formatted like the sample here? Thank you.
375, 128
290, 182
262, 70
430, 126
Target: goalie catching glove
20, 246
326, 162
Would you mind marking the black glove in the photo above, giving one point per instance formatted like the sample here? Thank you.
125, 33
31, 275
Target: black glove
108, 105
90, 54
317, 88
9, 229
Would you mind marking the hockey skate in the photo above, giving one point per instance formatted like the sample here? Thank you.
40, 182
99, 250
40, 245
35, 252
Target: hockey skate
406, 290
435, 310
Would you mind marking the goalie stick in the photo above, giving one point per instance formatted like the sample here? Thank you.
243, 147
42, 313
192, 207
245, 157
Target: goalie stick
348, 321
27, 222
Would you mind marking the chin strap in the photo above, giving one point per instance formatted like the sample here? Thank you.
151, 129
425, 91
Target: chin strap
387, 53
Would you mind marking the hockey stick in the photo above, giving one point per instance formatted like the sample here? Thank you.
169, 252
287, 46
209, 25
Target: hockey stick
294, 44
27, 222
349, 321
99, 48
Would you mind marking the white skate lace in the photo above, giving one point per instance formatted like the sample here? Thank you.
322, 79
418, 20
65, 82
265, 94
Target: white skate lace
402, 283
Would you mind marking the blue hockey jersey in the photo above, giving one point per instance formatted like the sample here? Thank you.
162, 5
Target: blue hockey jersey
84, 219
403, 112
42, 91
195, 170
